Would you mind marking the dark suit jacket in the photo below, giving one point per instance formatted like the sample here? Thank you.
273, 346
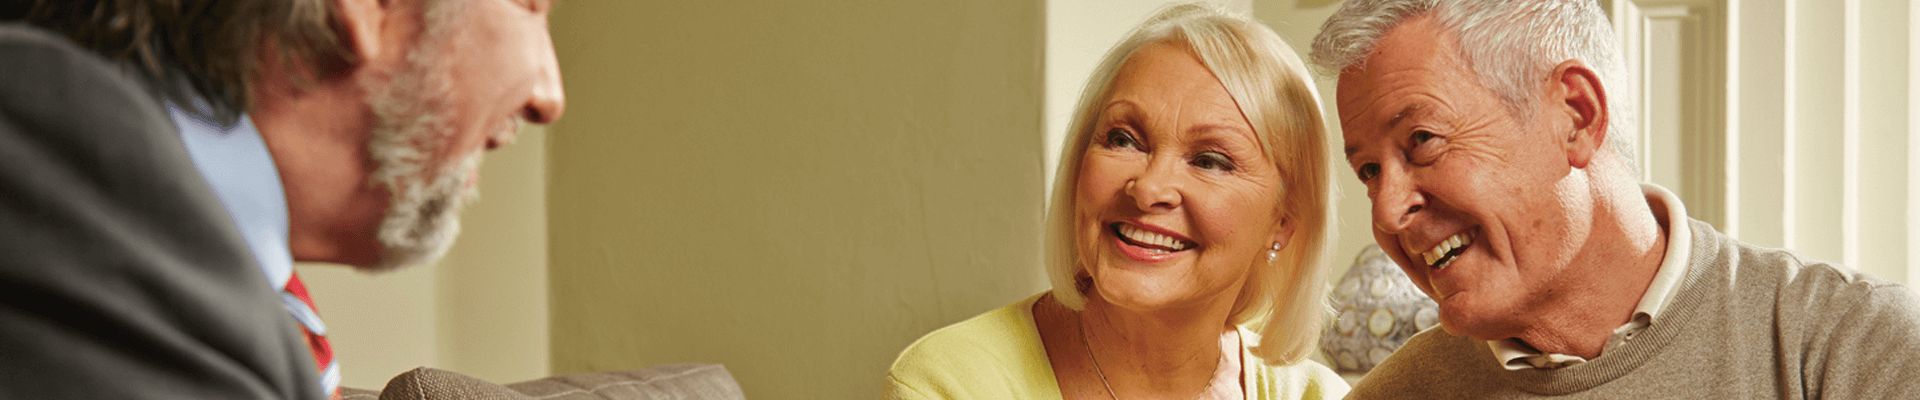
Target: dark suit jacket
121, 277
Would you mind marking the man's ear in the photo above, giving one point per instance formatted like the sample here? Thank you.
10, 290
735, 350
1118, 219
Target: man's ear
361, 22
1584, 101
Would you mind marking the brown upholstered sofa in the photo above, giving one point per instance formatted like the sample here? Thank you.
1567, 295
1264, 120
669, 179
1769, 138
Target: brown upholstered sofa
670, 381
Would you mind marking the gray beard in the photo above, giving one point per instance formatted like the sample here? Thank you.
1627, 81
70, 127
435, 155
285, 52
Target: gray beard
411, 125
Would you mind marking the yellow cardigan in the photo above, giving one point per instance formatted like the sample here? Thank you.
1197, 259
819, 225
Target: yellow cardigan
998, 355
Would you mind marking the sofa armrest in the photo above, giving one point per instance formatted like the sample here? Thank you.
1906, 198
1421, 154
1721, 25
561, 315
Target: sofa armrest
669, 381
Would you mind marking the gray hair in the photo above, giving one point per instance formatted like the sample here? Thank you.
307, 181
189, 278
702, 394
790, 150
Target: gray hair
1285, 297
1509, 44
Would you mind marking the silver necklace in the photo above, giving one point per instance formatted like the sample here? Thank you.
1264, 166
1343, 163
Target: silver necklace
1088, 344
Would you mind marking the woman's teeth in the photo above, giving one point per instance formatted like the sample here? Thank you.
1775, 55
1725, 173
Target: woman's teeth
1159, 243
1443, 254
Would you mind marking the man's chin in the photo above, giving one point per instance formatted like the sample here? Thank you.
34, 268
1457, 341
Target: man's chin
1450, 330
1450, 323
1458, 320
1453, 318
395, 258
423, 218
416, 239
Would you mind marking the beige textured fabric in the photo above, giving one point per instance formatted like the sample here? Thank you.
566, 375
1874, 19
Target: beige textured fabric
347, 393
662, 382
428, 383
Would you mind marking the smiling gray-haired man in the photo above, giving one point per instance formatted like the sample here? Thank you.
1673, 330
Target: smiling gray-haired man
1491, 136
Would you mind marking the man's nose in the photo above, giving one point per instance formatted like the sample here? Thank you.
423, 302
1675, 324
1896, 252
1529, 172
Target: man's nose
1395, 201
546, 99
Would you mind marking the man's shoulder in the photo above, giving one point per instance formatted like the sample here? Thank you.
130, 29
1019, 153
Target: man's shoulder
1852, 335
53, 84
17, 33
1794, 281
1826, 303
1786, 280
125, 274
1432, 364
36, 55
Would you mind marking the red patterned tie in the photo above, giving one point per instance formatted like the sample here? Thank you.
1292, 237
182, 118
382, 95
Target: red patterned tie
309, 320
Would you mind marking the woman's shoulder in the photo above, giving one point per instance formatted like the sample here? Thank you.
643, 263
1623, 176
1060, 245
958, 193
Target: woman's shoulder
999, 350
1001, 326
1302, 380
1305, 379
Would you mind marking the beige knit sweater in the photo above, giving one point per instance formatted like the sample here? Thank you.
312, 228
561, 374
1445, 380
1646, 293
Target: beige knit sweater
1748, 323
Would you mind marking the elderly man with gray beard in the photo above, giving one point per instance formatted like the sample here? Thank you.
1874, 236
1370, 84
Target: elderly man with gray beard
1492, 138
164, 163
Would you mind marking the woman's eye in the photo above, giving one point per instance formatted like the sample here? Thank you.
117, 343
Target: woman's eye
1121, 139
1213, 161
1367, 171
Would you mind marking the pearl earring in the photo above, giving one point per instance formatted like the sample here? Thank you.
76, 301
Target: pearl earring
1273, 253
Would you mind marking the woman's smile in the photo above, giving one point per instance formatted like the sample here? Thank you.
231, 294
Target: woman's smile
1148, 244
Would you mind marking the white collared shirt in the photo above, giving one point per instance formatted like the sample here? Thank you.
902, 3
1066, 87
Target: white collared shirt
1515, 355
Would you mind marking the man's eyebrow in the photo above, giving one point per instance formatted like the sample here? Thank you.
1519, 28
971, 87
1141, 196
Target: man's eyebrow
1408, 111
1399, 117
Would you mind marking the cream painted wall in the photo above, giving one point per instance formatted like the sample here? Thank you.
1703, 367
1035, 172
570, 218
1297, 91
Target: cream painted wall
379, 325
1913, 143
491, 289
481, 311
796, 190
1297, 21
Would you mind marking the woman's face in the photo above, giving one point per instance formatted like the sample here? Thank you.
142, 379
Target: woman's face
1176, 201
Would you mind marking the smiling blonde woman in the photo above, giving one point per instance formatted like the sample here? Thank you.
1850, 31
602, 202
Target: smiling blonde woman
1183, 239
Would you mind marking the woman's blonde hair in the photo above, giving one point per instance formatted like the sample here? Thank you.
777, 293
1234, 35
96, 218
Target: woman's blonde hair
1283, 300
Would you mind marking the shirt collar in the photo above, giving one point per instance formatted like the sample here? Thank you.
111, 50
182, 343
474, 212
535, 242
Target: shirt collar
236, 164
1669, 212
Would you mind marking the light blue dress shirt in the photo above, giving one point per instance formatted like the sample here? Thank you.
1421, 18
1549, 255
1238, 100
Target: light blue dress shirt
235, 162
237, 166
